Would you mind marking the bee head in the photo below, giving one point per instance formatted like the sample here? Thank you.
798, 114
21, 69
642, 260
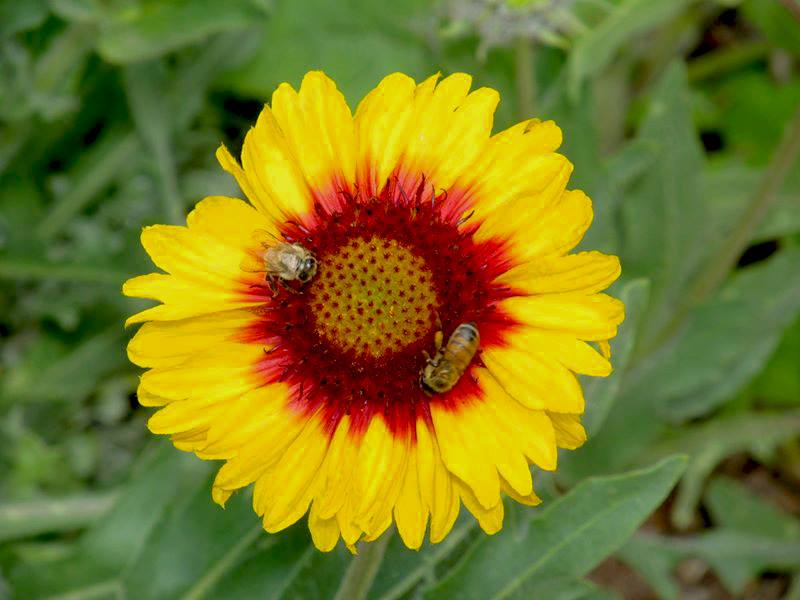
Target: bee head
307, 269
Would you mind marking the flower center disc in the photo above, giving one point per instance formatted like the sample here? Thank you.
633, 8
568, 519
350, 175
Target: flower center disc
352, 341
372, 297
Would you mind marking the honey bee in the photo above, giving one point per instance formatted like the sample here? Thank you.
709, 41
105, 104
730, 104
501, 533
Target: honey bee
441, 373
281, 261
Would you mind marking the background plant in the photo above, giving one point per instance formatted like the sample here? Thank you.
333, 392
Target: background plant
681, 117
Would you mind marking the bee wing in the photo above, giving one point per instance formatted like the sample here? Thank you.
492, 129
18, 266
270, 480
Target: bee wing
254, 261
264, 238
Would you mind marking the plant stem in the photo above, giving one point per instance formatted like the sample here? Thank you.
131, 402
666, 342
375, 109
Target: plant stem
526, 83
363, 569
727, 59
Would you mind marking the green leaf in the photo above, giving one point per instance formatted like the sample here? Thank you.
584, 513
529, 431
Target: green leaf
737, 557
734, 506
754, 109
776, 22
596, 48
144, 85
729, 186
57, 73
726, 341
779, 383
581, 146
165, 538
601, 392
654, 561
93, 172
193, 546
356, 42
80, 11
401, 570
272, 565
21, 16
561, 588
161, 478
24, 519
156, 27
568, 538
750, 538
709, 443
663, 218
47, 369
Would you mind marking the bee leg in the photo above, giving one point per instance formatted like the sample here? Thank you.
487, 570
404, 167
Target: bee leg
272, 285
438, 338
422, 385
288, 288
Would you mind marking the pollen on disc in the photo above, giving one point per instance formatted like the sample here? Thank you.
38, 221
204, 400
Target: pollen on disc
377, 296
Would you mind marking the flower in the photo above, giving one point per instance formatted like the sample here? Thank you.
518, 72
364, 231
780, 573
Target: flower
420, 221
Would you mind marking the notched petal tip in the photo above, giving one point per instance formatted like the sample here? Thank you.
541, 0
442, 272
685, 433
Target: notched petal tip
220, 496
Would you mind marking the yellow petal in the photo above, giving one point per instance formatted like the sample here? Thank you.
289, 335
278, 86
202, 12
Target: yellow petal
183, 415
490, 519
244, 419
380, 122
381, 462
290, 483
270, 175
261, 452
521, 217
193, 255
449, 129
574, 354
457, 433
228, 220
517, 163
585, 272
589, 318
182, 298
146, 398
534, 379
351, 533
189, 440
324, 532
570, 433
530, 500
224, 371
410, 512
556, 230
220, 496
520, 430
336, 475
318, 128
273, 171
169, 343
436, 487
381, 523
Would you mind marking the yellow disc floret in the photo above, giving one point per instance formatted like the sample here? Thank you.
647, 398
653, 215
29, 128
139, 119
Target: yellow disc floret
372, 296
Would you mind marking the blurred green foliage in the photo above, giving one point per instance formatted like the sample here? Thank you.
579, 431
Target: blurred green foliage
674, 114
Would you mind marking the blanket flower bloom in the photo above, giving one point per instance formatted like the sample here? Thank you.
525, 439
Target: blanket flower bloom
420, 220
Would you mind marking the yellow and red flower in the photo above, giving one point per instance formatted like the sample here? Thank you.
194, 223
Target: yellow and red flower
417, 215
